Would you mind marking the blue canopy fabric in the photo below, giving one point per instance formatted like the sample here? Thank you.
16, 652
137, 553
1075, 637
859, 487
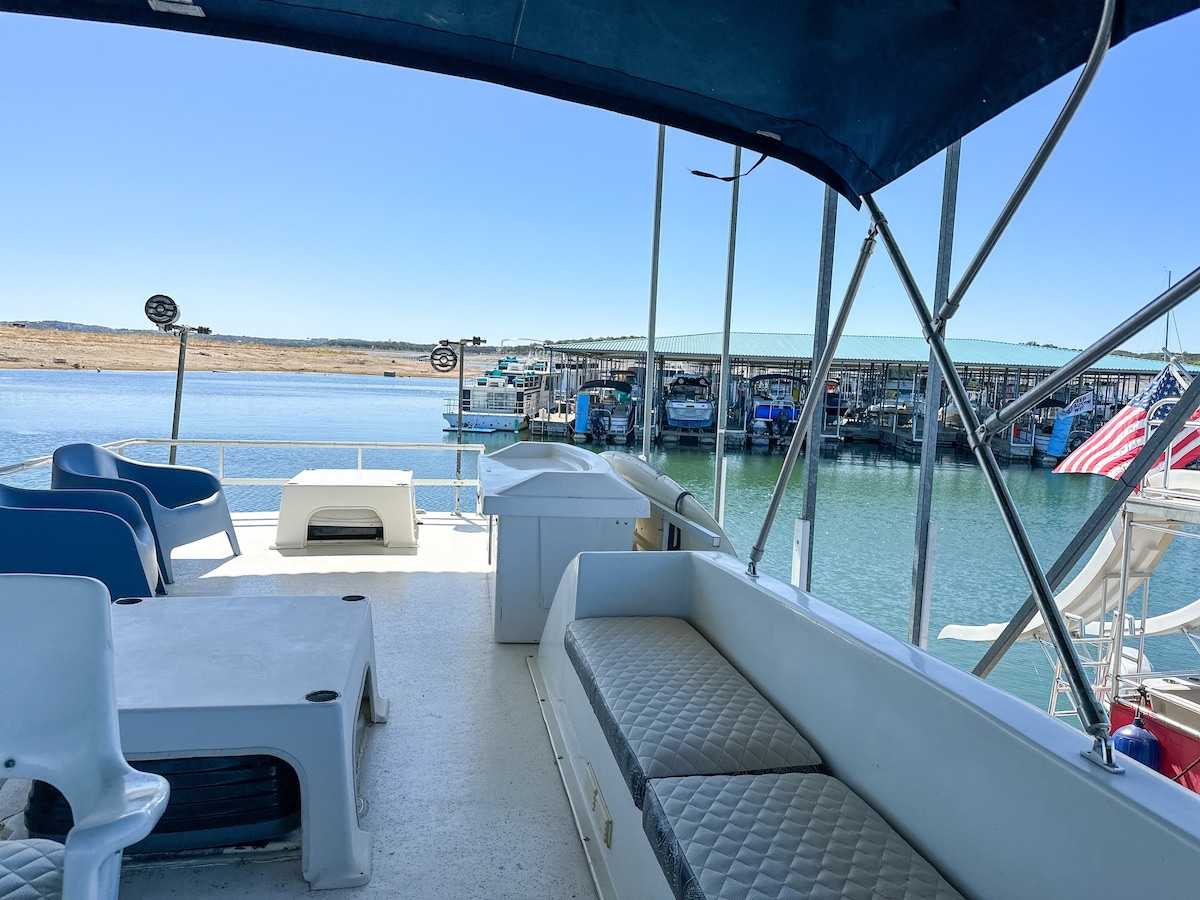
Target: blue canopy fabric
856, 93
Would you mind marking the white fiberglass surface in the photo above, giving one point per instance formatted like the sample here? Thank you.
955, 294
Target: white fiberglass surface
545, 456
462, 793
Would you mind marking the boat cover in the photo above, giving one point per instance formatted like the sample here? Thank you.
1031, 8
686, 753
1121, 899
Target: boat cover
855, 92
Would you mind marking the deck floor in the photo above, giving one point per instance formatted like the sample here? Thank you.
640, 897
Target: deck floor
464, 798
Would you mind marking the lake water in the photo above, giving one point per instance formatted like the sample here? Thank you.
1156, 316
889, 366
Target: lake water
865, 509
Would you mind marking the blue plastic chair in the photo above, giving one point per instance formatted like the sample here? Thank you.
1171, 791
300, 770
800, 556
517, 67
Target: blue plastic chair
182, 504
101, 534
59, 724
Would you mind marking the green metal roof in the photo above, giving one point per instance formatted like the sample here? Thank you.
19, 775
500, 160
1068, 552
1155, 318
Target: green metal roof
752, 347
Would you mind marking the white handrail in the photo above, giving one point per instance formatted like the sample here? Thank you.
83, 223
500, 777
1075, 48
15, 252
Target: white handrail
120, 446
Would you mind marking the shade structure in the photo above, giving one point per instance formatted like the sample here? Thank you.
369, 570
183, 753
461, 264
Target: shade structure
856, 93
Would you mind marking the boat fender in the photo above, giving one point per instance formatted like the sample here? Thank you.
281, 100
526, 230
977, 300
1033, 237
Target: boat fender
1139, 743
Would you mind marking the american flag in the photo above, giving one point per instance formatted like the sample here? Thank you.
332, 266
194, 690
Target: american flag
1110, 450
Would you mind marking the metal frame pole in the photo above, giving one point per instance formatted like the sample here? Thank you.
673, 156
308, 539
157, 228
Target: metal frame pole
462, 360
922, 560
650, 382
1091, 67
1159, 306
812, 454
819, 372
1091, 713
723, 382
462, 364
183, 333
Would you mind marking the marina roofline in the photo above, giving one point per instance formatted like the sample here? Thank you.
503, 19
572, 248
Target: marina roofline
761, 348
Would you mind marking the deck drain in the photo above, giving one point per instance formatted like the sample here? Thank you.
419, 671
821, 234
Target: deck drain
127, 601
321, 696
353, 597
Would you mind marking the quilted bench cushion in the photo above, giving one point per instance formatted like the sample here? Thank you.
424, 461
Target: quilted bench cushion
791, 835
31, 869
670, 704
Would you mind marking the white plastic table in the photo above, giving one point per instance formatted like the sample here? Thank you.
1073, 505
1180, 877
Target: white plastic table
279, 676
349, 497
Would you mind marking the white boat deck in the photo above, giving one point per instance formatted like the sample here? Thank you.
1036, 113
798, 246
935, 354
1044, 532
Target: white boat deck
462, 792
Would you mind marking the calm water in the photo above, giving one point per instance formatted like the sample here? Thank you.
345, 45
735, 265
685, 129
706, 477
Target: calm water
865, 509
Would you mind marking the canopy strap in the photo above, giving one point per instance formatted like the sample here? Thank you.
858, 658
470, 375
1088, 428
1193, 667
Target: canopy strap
730, 177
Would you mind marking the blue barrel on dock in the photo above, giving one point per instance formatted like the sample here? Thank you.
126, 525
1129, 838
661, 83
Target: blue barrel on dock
1138, 742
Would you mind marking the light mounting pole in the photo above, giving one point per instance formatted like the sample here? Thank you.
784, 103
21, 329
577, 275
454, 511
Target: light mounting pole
164, 313
444, 359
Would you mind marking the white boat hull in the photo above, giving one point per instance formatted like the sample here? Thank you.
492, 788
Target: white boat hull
486, 422
689, 415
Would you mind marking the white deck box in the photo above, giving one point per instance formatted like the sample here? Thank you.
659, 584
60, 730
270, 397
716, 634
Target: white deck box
551, 502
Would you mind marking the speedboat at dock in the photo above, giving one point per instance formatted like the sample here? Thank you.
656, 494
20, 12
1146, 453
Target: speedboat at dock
688, 402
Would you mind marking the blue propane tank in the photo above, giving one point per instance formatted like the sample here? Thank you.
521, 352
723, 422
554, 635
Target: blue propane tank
1138, 742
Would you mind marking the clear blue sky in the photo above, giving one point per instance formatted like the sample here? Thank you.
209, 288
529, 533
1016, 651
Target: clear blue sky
282, 193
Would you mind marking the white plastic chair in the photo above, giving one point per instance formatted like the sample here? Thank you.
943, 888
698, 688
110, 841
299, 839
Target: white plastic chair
58, 724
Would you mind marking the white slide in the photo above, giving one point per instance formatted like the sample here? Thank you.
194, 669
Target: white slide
1097, 586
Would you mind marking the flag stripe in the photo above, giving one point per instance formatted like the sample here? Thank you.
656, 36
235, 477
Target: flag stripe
1110, 450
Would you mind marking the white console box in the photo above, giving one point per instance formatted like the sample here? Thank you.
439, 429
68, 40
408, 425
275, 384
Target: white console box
349, 498
552, 501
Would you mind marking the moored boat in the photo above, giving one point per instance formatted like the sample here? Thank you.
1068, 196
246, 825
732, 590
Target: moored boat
772, 407
503, 398
605, 410
688, 402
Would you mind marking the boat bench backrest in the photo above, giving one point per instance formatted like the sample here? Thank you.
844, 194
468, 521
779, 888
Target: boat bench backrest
966, 773
697, 743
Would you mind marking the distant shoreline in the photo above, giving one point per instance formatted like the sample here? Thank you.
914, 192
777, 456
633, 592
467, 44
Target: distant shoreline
29, 348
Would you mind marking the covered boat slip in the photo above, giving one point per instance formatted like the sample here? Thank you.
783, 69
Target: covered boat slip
459, 789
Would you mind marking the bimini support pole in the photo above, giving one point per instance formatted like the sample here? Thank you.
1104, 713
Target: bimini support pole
814, 399
727, 324
812, 453
918, 622
1090, 68
1091, 713
650, 381
1155, 309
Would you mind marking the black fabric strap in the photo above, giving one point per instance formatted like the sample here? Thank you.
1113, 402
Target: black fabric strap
730, 177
